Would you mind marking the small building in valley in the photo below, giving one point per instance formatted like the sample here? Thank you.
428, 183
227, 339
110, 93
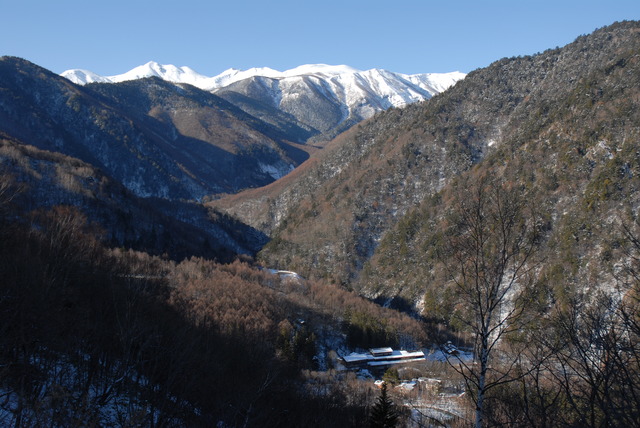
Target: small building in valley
381, 357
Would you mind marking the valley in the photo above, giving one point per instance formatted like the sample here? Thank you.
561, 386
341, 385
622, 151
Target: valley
185, 250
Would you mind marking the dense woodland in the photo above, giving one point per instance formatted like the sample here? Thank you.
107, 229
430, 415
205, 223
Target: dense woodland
501, 215
93, 336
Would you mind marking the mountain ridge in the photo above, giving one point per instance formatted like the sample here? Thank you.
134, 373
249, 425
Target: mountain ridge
392, 163
185, 74
159, 139
315, 102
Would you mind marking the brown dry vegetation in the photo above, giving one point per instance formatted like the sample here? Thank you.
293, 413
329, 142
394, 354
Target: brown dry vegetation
93, 336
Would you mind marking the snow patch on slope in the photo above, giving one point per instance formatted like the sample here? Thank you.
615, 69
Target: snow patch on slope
275, 171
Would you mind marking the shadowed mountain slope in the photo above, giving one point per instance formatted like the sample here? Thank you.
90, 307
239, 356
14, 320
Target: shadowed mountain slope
42, 179
158, 139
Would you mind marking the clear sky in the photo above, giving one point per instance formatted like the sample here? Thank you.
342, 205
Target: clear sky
405, 36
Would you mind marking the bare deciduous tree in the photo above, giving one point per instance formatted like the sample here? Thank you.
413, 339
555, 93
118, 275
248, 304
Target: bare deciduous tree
487, 252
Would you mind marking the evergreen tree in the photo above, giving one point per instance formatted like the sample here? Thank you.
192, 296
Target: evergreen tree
384, 413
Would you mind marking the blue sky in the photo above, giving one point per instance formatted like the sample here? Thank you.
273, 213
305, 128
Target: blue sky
406, 36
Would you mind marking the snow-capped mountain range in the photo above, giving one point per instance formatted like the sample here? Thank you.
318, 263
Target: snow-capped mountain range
376, 78
317, 97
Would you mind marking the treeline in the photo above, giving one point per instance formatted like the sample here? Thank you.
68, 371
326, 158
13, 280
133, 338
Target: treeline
92, 336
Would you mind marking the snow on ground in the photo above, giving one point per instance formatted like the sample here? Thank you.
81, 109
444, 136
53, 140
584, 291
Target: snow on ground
275, 171
65, 396
438, 354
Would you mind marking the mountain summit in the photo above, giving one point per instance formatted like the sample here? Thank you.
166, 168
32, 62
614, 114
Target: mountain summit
310, 99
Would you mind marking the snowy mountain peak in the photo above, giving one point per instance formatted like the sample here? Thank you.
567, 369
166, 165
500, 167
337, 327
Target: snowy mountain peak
167, 72
82, 77
320, 69
321, 97
437, 81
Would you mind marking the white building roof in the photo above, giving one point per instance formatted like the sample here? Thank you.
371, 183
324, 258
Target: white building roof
380, 350
394, 356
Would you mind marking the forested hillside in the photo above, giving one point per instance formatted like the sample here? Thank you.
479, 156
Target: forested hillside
93, 336
505, 209
566, 120
178, 229
572, 150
